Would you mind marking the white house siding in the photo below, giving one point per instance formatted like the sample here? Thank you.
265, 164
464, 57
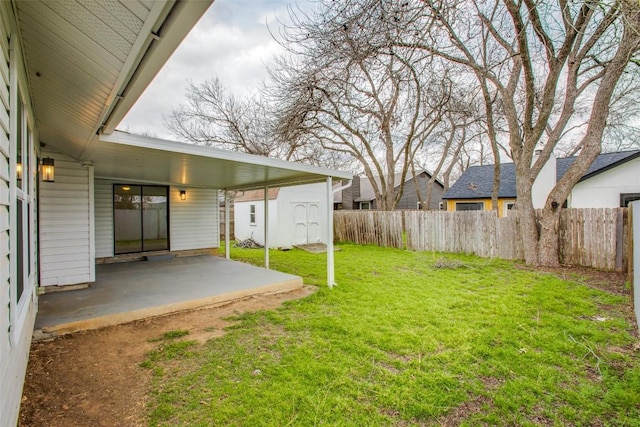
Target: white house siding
244, 229
65, 225
603, 190
282, 221
313, 198
16, 317
193, 223
103, 207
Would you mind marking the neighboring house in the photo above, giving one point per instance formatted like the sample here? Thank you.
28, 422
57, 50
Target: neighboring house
361, 194
613, 180
297, 215
73, 191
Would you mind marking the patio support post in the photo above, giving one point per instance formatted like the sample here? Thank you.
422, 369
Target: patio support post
266, 227
227, 226
330, 265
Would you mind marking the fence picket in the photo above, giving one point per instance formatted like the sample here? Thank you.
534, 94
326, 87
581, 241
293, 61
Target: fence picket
587, 237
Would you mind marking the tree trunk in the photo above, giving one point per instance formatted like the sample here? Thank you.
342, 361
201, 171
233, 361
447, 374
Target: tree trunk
548, 245
528, 225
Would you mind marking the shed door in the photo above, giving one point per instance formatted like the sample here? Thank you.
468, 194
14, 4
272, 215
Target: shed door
306, 219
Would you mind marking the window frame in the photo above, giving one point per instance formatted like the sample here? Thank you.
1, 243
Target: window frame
624, 202
362, 208
21, 126
479, 204
252, 214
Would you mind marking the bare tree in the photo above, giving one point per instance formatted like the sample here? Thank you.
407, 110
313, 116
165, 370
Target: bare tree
545, 60
213, 117
365, 101
541, 66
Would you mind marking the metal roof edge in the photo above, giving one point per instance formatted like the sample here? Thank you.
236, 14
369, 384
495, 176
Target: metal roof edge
167, 34
124, 138
633, 155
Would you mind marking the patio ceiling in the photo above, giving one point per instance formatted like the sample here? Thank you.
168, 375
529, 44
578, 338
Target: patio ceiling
124, 156
88, 61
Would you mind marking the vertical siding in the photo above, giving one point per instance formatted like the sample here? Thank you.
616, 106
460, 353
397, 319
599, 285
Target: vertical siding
65, 225
104, 218
193, 223
409, 199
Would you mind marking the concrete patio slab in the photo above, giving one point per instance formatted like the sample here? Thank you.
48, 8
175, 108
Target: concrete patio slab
131, 291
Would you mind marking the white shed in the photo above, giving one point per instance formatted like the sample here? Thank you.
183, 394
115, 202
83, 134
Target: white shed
297, 215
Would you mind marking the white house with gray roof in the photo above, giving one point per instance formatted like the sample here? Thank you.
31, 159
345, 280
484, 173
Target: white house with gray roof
613, 180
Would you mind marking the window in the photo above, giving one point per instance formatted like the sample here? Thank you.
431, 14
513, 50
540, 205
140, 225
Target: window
469, 206
252, 214
509, 205
441, 206
365, 205
419, 206
140, 218
24, 201
626, 198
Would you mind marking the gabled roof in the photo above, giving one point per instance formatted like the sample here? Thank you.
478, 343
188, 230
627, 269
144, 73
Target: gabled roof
603, 163
367, 193
477, 181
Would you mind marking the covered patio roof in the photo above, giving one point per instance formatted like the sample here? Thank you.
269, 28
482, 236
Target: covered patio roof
141, 158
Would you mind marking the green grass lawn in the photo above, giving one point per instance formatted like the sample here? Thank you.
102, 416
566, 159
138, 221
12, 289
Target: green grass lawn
409, 339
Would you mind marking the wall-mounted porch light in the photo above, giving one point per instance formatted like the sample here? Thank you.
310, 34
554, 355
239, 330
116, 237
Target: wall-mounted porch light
183, 195
48, 169
19, 171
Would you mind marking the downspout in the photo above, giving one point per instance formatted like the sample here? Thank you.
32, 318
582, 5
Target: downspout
330, 259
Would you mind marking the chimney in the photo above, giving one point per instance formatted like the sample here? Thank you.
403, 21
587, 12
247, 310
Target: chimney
351, 193
544, 182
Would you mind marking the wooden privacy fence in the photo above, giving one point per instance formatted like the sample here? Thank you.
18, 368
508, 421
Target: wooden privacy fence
594, 238
478, 232
587, 237
231, 222
369, 227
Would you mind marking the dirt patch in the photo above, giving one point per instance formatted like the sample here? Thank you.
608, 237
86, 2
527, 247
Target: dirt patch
93, 378
464, 411
608, 281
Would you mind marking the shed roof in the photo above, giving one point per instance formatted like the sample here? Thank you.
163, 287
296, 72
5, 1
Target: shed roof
477, 181
257, 195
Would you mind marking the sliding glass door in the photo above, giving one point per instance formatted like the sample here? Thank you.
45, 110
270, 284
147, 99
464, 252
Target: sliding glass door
140, 218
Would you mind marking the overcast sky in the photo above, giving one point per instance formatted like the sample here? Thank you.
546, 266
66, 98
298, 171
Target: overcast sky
231, 41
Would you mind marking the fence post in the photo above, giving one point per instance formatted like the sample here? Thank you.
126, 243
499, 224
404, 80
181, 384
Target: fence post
634, 257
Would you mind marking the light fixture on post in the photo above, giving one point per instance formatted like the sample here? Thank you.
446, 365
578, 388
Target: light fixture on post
48, 169
183, 195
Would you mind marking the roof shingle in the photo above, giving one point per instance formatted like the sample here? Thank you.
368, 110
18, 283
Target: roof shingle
477, 181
